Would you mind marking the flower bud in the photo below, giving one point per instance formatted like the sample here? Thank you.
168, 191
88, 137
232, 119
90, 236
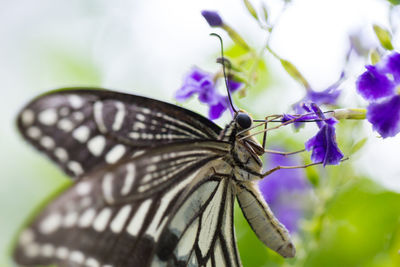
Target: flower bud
213, 18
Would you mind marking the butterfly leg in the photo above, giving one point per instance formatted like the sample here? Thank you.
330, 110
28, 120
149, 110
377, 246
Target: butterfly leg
294, 167
265, 134
289, 167
283, 153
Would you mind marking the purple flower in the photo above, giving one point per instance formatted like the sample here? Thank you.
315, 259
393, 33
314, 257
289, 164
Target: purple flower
218, 107
385, 116
323, 145
197, 81
202, 83
300, 117
392, 66
327, 96
287, 192
379, 85
233, 85
212, 17
373, 84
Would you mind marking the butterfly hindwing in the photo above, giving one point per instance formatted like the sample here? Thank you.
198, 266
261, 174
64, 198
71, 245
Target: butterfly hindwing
82, 129
202, 228
140, 212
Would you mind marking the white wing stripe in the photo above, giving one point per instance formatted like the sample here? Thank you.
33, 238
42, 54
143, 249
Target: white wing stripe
209, 221
87, 217
107, 186
101, 221
153, 230
219, 255
168, 118
129, 179
119, 221
186, 243
136, 221
98, 116
192, 205
119, 117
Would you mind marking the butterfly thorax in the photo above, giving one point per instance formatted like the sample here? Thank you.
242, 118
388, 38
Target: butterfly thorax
245, 153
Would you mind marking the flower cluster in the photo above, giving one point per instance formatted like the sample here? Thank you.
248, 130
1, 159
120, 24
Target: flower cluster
204, 84
286, 192
380, 84
323, 145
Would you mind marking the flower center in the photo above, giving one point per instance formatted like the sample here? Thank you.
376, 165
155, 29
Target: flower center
397, 90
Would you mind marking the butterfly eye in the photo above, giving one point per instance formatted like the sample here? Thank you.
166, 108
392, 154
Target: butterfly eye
244, 120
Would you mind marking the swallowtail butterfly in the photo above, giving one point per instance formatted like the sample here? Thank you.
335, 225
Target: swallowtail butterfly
154, 184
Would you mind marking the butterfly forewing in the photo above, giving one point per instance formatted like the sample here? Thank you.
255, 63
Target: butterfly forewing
113, 217
84, 129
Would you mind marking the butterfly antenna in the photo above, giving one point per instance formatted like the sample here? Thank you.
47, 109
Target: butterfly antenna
223, 62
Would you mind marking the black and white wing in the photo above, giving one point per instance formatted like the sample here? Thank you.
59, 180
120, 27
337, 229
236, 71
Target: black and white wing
166, 207
81, 129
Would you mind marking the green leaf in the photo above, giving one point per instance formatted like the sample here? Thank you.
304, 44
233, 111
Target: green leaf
394, 2
251, 9
235, 36
294, 72
360, 226
357, 146
265, 12
384, 37
374, 56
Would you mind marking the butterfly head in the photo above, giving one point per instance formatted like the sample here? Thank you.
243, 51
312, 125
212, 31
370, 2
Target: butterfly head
243, 120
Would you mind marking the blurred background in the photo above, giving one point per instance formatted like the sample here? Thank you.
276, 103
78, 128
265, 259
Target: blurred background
342, 216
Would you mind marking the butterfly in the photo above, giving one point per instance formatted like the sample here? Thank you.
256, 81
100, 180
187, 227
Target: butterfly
154, 184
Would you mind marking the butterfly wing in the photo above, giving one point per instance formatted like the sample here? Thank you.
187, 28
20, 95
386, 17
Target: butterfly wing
168, 206
81, 129
201, 232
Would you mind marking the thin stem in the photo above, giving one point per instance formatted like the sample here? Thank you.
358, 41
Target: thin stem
269, 29
283, 153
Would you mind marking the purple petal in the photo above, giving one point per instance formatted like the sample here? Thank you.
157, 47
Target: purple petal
324, 147
196, 81
385, 116
288, 117
212, 17
283, 180
198, 75
207, 92
328, 96
288, 216
185, 92
318, 112
392, 65
218, 108
233, 85
286, 191
373, 84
